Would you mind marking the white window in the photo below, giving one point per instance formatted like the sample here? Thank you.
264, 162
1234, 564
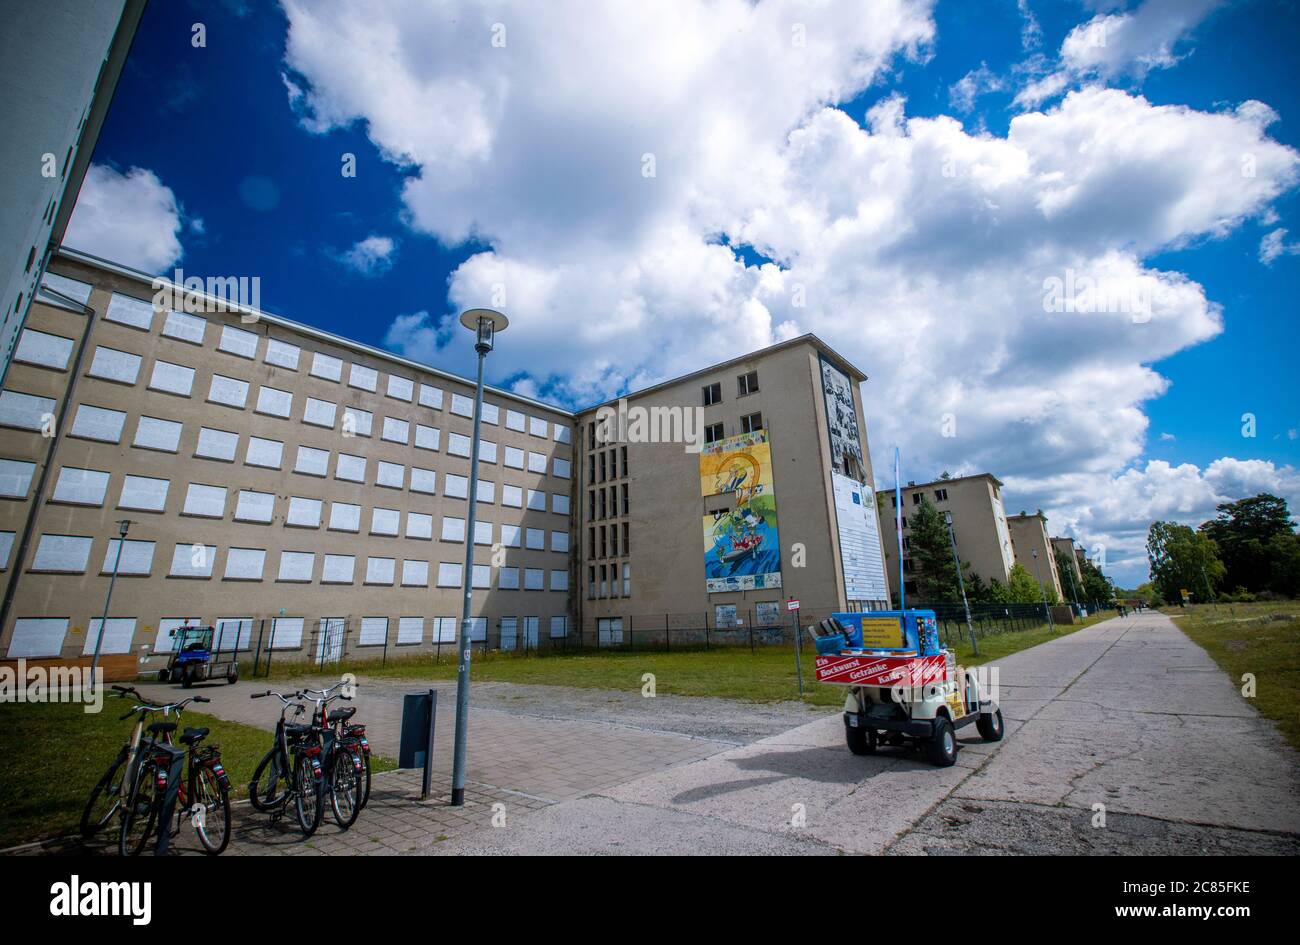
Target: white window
73, 289
392, 475
534, 579
430, 397
319, 413
138, 313
400, 388
508, 579
478, 628
537, 427
481, 576
254, 506
322, 365
64, 553
193, 560
117, 636
380, 570
486, 491
537, 500
25, 411
457, 487
453, 529
559, 504
205, 501
487, 451
6, 548
144, 493
449, 574
282, 354
396, 431
15, 478
266, 453
296, 566
311, 461
81, 486
172, 378
345, 517
462, 405
427, 438
444, 630
385, 521
186, 327
233, 632
217, 444
238, 342
535, 539
563, 434
482, 533
512, 496
411, 629
357, 422
229, 391
303, 512
165, 642
37, 636
457, 444
286, 633
514, 420
514, 457
98, 423
510, 535
559, 627
113, 365
559, 580
560, 541
350, 468
415, 573
491, 414
560, 468
419, 525
277, 403
154, 433
536, 462
374, 631
363, 377
338, 569
423, 480
245, 564
43, 350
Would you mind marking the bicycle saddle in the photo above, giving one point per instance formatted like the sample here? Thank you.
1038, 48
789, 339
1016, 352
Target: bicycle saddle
343, 714
192, 736
159, 728
298, 729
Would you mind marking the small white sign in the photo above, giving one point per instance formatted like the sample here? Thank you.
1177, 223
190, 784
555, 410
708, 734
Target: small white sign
792, 605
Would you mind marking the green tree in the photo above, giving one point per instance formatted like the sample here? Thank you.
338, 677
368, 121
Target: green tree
1095, 585
1021, 587
1284, 550
931, 552
1245, 532
1182, 559
1069, 581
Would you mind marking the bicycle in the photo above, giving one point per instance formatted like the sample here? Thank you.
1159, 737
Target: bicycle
344, 768
203, 793
108, 790
294, 763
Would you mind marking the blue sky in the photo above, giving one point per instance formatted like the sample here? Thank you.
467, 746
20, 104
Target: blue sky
512, 150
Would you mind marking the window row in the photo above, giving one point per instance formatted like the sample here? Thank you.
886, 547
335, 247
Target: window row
607, 503
609, 464
750, 423
603, 580
603, 542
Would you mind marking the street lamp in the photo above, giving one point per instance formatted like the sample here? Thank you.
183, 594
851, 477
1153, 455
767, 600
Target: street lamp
1042, 591
123, 527
961, 583
485, 323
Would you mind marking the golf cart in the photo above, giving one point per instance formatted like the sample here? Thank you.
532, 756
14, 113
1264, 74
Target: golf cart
192, 659
902, 687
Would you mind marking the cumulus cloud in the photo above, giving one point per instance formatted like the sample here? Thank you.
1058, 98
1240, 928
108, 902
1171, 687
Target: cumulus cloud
370, 256
1274, 245
963, 93
610, 165
131, 218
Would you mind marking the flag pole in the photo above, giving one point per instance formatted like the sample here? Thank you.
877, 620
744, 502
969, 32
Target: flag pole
898, 527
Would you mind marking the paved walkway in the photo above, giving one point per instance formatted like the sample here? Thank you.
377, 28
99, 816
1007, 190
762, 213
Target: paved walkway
1128, 714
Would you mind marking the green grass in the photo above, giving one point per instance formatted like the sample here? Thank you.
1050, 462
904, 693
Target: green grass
55, 753
1263, 639
766, 675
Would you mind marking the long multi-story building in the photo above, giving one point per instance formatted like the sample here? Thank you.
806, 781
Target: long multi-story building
1035, 552
1072, 580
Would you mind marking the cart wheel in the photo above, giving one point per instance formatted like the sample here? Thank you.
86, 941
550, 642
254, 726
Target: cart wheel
162, 675
233, 676
941, 749
990, 726
862, 741
187, 679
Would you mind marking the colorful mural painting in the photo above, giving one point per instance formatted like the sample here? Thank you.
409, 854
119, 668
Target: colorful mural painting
741, 549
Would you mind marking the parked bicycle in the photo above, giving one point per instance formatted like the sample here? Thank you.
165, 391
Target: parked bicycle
291, 772
109, 792
345, 769
202, 796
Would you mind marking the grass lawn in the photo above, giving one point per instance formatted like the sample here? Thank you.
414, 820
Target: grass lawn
1263, 639
766, 675
54, 753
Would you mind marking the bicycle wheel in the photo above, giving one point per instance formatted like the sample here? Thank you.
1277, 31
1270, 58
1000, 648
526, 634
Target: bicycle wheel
141, 810
365, 790
309, 794
270, 784
346, 785
213, 827
105, 798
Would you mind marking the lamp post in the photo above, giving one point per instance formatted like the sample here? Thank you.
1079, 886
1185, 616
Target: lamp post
1042, 591
485, 323
961, 583
123, 527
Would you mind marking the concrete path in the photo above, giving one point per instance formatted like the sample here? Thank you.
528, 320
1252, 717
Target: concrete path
1128, 714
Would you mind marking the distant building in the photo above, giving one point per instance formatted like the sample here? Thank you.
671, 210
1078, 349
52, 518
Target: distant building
1029, 538
1066, 545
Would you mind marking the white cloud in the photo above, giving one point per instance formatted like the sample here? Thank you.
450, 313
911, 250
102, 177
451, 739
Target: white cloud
370, 256
963, 93
1274, 246
130, 218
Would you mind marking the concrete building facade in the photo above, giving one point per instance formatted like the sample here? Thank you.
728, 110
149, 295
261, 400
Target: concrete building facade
1034, 551
1067, 546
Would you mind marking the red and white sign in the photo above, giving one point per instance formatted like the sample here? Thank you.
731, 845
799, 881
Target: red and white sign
792, 605
912, 671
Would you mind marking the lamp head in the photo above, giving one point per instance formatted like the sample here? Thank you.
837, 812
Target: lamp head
123, 527
485, 323
947, 518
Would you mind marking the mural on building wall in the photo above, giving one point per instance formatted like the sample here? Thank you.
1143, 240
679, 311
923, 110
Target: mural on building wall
841, 419
741, 549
